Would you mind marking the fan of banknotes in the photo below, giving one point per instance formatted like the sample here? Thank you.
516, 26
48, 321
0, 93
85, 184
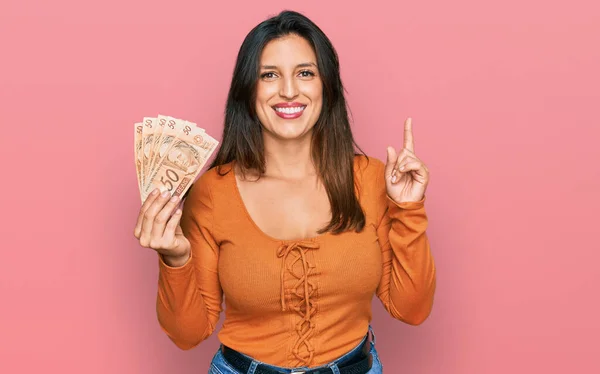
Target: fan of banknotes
169, 154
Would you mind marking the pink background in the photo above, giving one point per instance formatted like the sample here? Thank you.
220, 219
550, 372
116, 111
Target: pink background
504, 99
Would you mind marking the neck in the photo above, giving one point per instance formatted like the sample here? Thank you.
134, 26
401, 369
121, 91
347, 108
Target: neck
288, 159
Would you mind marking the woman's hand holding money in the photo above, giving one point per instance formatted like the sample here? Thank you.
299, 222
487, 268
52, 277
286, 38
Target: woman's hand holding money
158, 228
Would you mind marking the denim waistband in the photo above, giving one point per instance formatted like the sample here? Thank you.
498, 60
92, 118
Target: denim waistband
335, 363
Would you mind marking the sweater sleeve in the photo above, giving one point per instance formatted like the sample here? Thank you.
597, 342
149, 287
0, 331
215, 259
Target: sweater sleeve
408, 282
189, 297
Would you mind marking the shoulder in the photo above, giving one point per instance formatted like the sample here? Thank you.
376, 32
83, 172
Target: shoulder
210, 181
370, 184
368, 170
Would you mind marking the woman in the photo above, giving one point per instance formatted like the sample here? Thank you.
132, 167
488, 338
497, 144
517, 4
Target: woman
289, 224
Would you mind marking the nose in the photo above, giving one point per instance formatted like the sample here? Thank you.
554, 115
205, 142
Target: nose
288, 89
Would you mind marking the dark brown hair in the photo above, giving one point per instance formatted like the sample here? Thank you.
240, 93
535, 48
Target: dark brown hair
332, 141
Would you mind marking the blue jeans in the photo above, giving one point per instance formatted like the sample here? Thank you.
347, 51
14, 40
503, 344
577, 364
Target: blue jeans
220, 366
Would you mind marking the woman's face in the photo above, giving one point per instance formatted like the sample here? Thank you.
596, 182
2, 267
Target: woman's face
289, 93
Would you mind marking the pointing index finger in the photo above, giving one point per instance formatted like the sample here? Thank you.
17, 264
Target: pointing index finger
408, 135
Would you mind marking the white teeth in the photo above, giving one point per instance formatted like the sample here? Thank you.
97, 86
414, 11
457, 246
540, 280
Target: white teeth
296, 109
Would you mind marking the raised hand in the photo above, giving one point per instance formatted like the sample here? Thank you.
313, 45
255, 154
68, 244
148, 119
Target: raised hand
158, 228
406, 177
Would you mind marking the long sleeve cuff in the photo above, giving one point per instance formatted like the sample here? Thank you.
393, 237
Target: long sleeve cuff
407, 205
174, 274
408, 222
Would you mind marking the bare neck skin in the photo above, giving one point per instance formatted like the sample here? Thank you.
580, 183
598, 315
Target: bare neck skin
289, 202
288, 159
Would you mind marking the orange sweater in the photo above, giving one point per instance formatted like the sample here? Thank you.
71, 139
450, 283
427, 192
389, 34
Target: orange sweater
294, 303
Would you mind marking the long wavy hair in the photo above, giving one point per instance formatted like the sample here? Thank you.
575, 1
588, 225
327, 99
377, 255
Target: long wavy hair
332, 147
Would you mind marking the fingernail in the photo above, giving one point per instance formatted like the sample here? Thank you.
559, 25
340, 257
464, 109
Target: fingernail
178, 211
401, 168
394, 179
165, 193
174, 198
155, 191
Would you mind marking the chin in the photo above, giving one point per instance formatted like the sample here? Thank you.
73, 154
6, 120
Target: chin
289, 129
288, 133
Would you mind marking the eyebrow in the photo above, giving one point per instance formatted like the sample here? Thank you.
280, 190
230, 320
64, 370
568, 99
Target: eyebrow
303, 65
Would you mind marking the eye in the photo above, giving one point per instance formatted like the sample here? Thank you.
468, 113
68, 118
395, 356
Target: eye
306, 74
268, 75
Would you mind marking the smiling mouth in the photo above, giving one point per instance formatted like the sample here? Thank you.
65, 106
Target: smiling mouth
289, 112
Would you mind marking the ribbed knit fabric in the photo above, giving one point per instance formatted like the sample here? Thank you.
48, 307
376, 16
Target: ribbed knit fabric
294, 303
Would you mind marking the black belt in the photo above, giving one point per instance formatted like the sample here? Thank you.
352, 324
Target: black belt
359, 364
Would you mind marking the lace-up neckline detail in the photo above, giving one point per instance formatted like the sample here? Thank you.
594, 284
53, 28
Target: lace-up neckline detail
297, 271
300, 293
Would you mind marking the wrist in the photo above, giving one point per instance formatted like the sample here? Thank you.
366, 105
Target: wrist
176, 261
